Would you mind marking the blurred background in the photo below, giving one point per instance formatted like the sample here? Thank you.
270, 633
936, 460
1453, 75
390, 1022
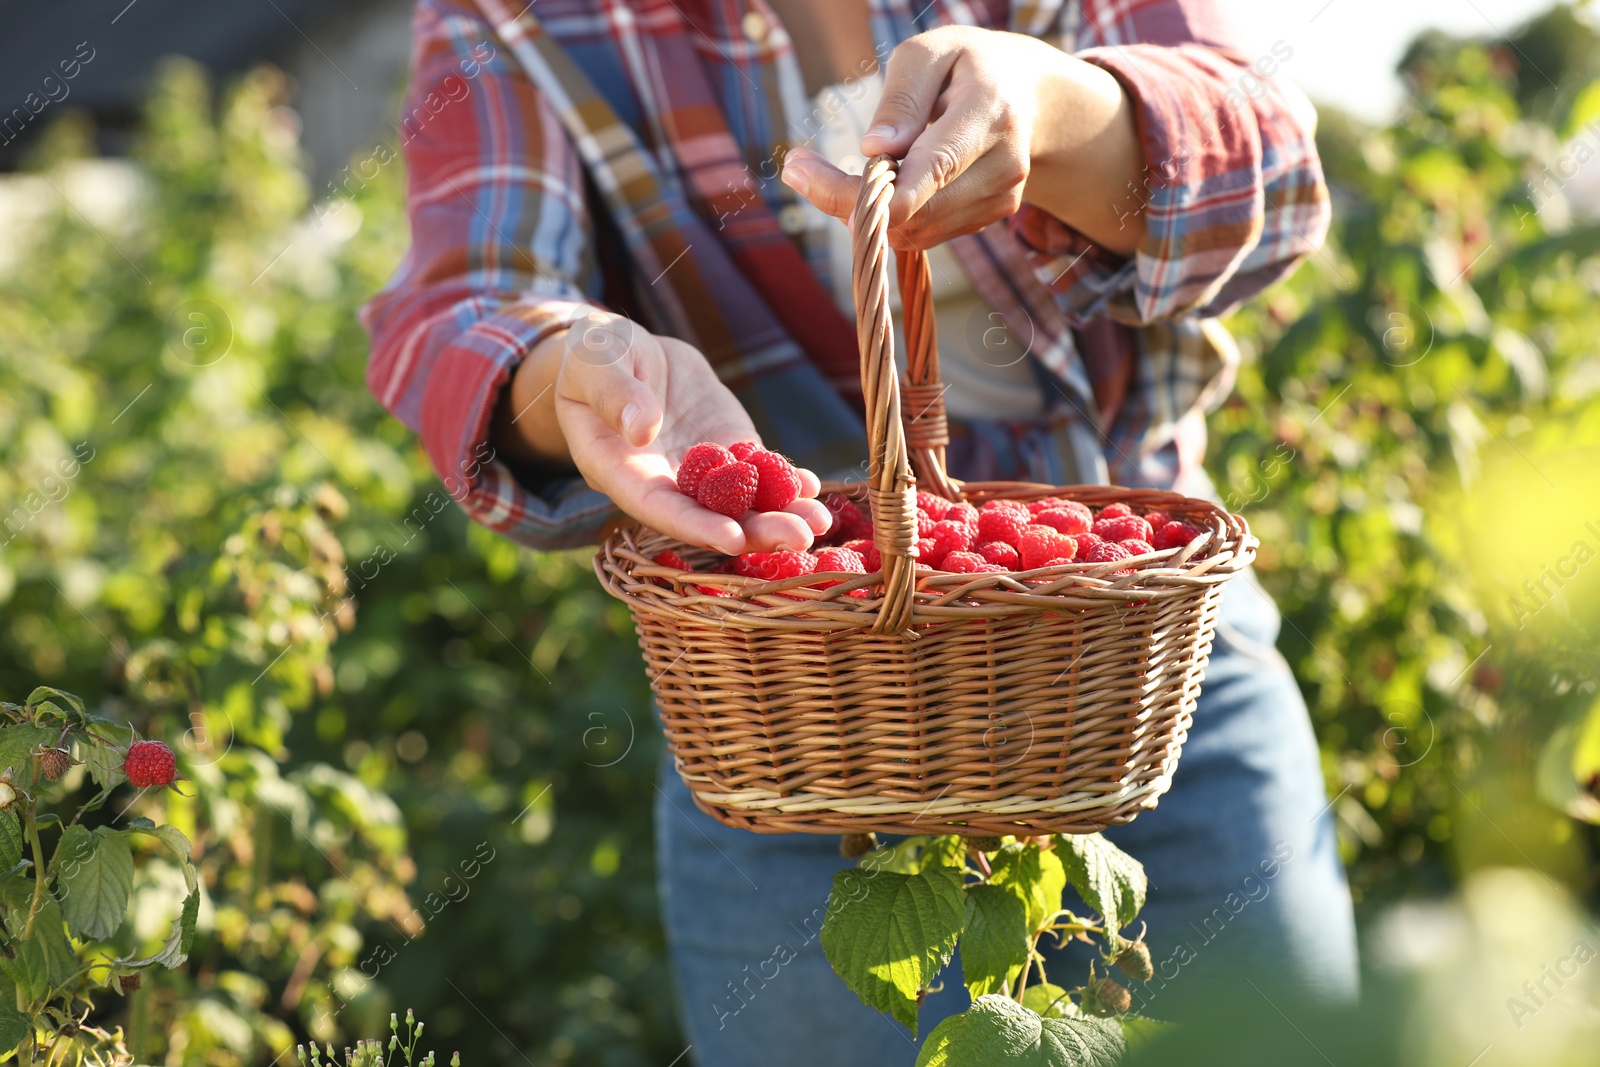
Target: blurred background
423, 778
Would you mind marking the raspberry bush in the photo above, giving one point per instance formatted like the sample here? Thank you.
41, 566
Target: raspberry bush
895, 919
70, 866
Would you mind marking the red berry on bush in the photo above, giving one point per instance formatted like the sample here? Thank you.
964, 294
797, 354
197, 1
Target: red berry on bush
150, 763
729, 490
699, 461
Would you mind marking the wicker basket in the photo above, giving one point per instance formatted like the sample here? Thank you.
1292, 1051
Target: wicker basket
1053, 700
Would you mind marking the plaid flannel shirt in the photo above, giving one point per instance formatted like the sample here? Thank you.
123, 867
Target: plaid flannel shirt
624, 155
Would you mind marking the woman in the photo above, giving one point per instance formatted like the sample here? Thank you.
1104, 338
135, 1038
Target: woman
606, 269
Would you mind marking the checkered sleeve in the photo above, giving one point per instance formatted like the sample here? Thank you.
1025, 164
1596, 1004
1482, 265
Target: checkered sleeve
500, 257
1233, 194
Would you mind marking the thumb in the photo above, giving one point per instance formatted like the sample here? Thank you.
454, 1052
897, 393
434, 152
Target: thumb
911, 85
615, 367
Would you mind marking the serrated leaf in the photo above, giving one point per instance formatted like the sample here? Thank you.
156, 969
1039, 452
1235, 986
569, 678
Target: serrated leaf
11, 843
998, 1032
888, 935
175, 949
1109, 880
13, 1024
29, 971
1049, 1000
102, 752
913, 855
94, 879
45, 692
1035, 876
49, 929
996, 944
18, 742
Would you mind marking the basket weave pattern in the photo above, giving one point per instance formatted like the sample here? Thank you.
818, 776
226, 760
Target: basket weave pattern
1054, 700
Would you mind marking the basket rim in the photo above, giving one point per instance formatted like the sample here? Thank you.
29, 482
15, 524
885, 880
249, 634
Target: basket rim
625, 569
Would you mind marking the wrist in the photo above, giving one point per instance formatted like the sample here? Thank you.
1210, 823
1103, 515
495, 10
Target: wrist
1085, 155
525, 426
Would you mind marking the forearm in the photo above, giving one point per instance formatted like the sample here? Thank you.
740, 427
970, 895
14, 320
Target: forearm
525, 426
1086, 156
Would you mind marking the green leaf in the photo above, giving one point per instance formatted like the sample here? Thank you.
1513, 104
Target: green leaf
10, 839
1035, 876
888, 935
1049, 1000
175, 949
1140, 1032
49, 929
997, 1031
45, 692
13, 1024
18, 742
102, 752
29, 971
1109, 880
914, 855
94, 879
996, 943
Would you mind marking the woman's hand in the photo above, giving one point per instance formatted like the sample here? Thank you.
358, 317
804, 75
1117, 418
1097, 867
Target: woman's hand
628, 405
984, 120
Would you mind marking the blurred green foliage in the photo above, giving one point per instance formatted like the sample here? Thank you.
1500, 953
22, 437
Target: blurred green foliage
422, 765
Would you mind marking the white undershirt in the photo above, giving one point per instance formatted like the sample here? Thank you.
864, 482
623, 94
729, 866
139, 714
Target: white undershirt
983, 383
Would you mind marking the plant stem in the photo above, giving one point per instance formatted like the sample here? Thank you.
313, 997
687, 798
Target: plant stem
40, 875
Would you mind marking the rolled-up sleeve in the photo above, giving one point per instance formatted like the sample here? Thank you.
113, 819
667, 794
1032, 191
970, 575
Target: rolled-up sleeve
501, 256
1233, 195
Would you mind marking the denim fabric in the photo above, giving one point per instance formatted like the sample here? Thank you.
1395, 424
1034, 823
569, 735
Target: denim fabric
1245, 882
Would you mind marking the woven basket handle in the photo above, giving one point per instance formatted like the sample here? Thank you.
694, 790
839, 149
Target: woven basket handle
906, 427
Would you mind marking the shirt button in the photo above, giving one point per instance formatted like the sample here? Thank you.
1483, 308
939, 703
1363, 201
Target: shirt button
792, 219
755, 26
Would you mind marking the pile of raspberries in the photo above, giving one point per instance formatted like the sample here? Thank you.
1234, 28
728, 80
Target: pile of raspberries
1001, 536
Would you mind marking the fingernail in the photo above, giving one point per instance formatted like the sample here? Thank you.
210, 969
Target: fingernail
884, 132
723, 549
795, 178
629, 413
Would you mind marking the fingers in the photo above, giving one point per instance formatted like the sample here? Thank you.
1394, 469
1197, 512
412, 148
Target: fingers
941, 154
912, 82
820, 182
617, 369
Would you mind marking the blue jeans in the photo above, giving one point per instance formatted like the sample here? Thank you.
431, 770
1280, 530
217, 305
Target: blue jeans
1244, 878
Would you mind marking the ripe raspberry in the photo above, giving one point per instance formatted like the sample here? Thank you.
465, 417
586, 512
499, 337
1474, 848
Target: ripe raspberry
844, 560
1007, 505
963, 513
1044, 504
1001, 524
1066, 520
778, 484
993, 568
1136, 546
951, 536
150, 763
670, 558
1043, 546
1157, 519
1111, 997
1174, 535
1123, 528
1085, 540
1135, 961
964, 563
1108, 552
53, 762
1001, 554
711, 590
868, 552
1115, 511
771, 566
699, 461
729, 490
743, 450
849, 521
929, 554
925, 525
932, 506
